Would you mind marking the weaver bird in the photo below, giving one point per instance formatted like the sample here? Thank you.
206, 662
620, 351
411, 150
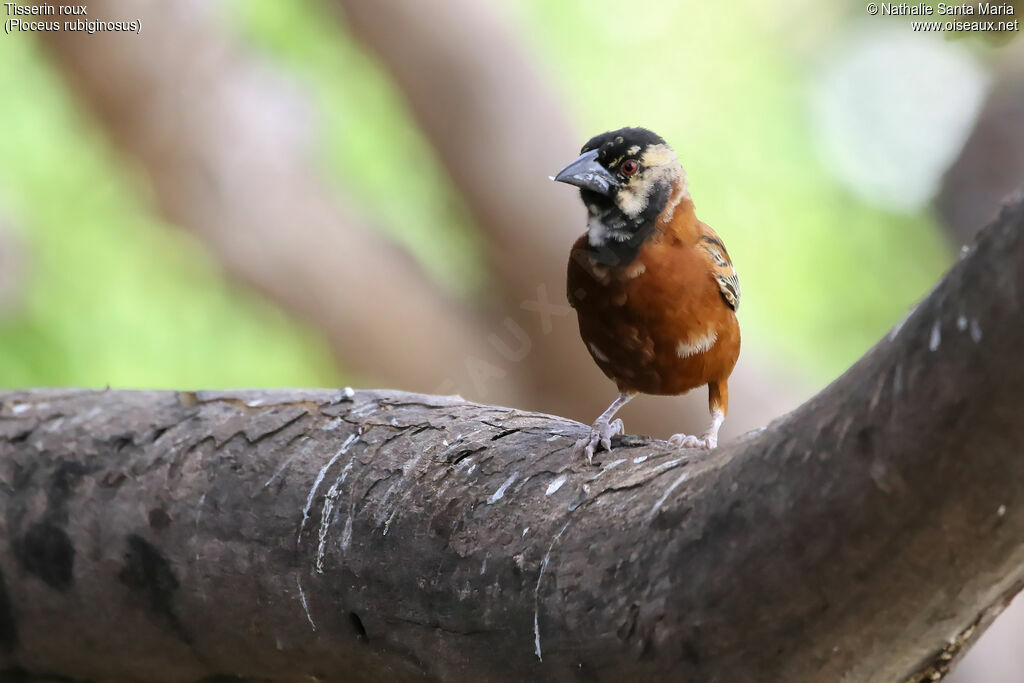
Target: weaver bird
653, 287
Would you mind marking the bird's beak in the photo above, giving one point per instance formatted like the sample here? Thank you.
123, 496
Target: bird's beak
587, 173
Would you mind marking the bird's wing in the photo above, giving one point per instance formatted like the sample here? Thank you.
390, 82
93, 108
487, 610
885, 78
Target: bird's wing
721, 266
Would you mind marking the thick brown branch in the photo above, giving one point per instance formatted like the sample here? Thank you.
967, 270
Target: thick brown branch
871, 535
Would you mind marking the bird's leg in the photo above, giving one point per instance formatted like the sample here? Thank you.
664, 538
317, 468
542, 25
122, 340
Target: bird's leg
718, 402
604, 428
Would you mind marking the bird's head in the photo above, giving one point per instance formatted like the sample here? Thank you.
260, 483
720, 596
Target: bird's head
627, 178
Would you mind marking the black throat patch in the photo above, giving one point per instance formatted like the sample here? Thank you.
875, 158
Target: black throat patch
621, 252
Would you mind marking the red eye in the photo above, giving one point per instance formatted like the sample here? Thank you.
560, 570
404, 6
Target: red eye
629, 167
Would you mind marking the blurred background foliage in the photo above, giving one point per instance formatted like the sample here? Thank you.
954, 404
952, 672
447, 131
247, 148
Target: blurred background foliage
117, 298
113, 296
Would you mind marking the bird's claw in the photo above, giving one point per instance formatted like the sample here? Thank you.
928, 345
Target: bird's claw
600, 435
706, 442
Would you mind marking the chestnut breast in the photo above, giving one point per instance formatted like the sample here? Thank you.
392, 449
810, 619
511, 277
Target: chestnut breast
658, 324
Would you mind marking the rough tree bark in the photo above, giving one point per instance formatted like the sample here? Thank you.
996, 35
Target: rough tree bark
870, 535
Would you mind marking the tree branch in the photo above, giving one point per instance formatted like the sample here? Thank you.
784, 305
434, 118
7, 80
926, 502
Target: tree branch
871, 535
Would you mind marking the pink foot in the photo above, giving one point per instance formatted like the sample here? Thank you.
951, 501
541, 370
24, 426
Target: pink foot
600, 435
707, 442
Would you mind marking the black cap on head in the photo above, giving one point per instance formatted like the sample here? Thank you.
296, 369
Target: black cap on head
616, 143
599, 168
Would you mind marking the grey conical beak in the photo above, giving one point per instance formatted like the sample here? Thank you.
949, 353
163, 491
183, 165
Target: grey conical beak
587, 173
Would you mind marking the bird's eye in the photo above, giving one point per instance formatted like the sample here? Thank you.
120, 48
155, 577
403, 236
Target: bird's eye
629, 167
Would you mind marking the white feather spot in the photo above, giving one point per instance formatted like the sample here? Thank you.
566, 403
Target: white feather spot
364, 410
305, 605
631, 202
319, 479
680, 192
325, 515
598, 354
701, 344
332, 425
899, 326
936, 337
556, 484
664, 496
500, 493
636, 271
298, 452
536, 592
346, 534
667, 465
597, 232
975, 331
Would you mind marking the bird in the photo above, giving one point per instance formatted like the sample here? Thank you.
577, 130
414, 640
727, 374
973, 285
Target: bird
654, 289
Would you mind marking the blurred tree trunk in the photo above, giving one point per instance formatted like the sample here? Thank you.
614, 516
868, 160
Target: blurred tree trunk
991, 164
14, 269
871, 535
225, 146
